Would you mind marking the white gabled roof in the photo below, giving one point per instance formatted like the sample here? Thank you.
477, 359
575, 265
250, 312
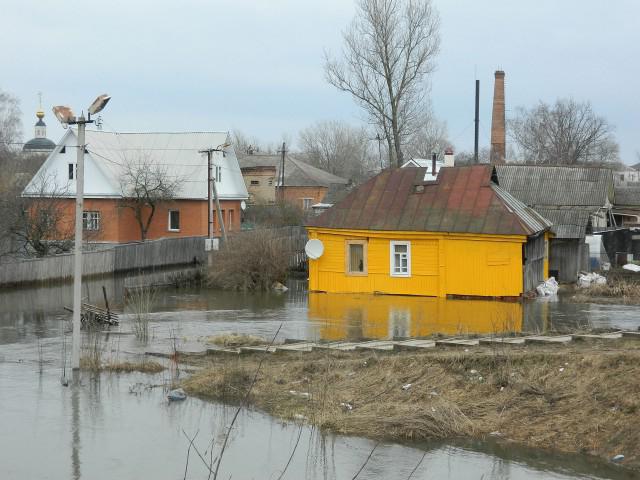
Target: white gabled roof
177, 153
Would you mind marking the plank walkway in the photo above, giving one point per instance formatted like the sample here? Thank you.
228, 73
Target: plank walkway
415, 344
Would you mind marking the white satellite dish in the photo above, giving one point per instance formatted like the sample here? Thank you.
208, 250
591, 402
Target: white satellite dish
314, 249
243, 205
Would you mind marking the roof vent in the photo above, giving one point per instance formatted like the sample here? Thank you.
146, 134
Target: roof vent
418, 189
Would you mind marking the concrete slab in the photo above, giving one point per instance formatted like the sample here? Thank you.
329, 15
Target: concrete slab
549, 340
258, 349
414, 344
384, 345
599, 336
296, 347
502, 341
458, 342
223, 351
342, 346
635, 335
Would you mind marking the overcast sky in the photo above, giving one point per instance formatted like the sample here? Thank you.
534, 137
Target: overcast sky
257, 65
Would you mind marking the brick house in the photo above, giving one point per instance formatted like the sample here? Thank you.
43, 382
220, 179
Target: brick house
107, 220
304, 185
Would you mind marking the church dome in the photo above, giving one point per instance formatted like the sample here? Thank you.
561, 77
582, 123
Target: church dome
39, 145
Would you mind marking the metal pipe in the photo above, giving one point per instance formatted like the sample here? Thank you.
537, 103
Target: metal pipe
477, 122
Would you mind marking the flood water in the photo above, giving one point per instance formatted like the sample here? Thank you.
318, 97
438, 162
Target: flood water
101, 430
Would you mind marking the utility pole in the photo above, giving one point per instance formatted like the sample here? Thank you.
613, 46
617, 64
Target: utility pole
283, 152
211, 185
66, 117
477, 122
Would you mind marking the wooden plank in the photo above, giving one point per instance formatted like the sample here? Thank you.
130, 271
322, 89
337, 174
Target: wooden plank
376, 345
549, 340
258, 349
296, 347
223, 351
342, 346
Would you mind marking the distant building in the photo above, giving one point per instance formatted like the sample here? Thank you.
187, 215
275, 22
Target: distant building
106, 220
304, 185
577, 200
39, 143
404, 233
627, 176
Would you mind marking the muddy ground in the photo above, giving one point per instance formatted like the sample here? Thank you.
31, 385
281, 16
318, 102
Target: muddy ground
583, 397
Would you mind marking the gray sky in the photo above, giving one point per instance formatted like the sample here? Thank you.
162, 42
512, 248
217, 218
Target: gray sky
257, 65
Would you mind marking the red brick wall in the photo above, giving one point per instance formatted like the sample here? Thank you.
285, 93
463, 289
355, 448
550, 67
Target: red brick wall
295, 195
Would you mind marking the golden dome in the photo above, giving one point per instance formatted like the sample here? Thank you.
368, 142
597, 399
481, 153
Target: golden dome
40, 114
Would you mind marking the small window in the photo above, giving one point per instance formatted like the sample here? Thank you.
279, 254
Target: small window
400, 259
174, 220
72, 169
306, 203
255, 182
230, 219
91, 221
271, 182
622, 177
356, 257
218, 173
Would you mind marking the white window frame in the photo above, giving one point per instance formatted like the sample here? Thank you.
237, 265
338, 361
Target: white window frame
91, 220
169, 221
392, 259
347, 258
307, 201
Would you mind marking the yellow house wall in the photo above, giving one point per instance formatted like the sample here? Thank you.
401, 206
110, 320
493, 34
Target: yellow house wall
441, 264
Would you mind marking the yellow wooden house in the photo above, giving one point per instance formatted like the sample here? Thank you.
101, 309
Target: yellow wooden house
404, 233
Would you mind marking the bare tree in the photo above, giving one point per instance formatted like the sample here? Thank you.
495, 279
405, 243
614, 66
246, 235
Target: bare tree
338, 148
38, 224
567, 133
10, 121
144, 186
430, 136
389, 51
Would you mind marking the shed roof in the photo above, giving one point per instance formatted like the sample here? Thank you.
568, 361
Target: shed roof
297, 173
627, 196
550, 185
461, 200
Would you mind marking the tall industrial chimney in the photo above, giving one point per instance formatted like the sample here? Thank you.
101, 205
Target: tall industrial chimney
498, 133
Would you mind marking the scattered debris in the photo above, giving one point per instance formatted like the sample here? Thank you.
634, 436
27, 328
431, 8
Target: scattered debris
547, 288
632, 267
617, 458
306, 395
561, 369
299, 417
279, 287
407, 386
496, 434
588, 279
473, 372
346, 406
433, 394
176, 395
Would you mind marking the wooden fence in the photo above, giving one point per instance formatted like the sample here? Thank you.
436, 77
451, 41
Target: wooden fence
119, 258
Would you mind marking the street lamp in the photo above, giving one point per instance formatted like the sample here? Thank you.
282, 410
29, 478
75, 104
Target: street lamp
65, 116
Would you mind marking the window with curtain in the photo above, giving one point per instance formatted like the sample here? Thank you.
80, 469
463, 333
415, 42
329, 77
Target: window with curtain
356, 261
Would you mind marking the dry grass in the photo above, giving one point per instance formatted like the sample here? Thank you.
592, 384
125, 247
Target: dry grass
621, 288
251, 260
88, 363
236, 340
590, 406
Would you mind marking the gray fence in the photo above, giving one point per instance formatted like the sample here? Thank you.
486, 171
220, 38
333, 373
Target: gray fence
119, 258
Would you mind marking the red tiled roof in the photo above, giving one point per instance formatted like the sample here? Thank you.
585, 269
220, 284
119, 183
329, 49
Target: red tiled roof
461, 200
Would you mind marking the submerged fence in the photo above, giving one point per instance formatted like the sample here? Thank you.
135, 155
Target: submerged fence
119, 258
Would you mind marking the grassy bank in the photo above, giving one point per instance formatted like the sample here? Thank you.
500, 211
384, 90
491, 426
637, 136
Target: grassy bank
616, 290
581, 398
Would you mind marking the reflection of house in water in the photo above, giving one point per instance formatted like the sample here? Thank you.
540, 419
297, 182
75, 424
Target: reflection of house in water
381, 316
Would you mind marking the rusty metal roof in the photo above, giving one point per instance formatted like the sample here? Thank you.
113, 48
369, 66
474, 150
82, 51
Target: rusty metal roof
461, 200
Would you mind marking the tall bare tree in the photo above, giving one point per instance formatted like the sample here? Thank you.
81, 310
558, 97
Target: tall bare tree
389, 51
145, 185
338, 148
566, 133
430, 136
10, 122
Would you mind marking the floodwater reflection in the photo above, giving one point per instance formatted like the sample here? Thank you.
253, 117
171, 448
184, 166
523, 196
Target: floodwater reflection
354, 317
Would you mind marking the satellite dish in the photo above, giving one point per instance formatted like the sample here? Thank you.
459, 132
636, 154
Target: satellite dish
314, 249
243, 205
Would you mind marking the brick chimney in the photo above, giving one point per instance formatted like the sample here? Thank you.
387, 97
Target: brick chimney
498, 134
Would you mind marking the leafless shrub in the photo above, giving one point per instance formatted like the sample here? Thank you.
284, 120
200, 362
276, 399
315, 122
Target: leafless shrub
253, 260
140, 301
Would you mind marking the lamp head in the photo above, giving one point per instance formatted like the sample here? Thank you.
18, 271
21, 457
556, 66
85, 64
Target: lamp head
99, 103
64, 114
